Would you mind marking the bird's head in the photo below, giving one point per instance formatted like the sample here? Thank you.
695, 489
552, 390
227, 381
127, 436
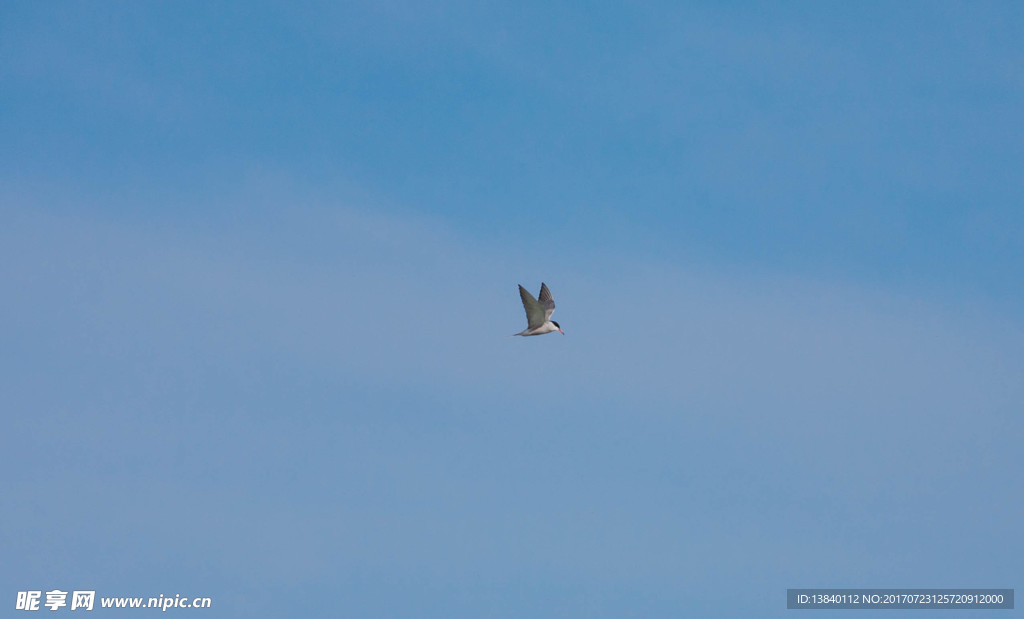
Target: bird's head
557, 327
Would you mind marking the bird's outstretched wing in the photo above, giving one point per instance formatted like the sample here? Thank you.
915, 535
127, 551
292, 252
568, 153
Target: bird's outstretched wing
546, 301
535, 313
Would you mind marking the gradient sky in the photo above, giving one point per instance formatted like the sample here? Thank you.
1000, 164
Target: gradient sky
258, 268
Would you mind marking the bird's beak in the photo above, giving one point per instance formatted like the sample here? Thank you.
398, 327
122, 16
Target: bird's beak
562, 332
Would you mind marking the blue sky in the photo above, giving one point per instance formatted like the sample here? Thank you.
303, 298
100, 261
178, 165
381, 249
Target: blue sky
260, 268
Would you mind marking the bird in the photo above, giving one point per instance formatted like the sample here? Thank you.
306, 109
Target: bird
538, 313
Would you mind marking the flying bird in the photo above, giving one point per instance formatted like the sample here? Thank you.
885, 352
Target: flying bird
538, 313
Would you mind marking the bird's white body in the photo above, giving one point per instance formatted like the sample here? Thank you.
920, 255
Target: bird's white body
538, 312
547, 327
